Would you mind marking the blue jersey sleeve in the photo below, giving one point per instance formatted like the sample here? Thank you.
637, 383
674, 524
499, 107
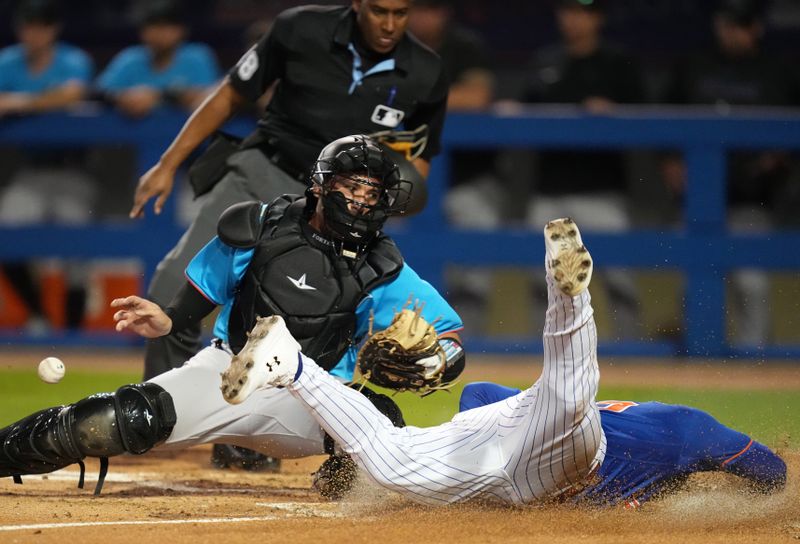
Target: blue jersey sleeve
200, 65
7, 68
121, 72
387, 299
217, 269
77, 65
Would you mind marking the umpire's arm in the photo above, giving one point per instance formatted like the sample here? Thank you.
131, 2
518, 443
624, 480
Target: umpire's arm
215, 110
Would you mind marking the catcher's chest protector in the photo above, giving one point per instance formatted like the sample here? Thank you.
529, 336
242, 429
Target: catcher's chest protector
315, 290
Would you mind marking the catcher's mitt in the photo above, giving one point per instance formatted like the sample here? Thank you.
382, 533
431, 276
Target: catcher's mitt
406, 356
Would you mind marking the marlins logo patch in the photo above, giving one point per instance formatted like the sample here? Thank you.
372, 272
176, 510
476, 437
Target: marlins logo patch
386, 116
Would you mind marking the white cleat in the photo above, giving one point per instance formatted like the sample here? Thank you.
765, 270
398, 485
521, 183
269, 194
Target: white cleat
269, 359
567, 260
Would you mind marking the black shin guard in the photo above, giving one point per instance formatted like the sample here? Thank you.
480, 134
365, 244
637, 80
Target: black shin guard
134, 419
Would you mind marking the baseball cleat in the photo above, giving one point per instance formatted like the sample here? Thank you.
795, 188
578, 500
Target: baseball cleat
567, 260
270, 358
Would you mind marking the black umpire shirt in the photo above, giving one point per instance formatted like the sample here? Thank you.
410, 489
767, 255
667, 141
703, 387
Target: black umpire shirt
329, 88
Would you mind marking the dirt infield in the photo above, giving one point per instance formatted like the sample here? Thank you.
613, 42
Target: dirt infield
178, 498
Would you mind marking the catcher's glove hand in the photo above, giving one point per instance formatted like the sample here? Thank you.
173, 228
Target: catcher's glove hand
409, 143
406, 356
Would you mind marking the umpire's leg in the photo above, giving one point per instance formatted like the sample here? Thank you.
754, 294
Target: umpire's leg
251, 176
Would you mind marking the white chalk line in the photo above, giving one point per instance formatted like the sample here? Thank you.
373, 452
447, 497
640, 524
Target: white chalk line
41, 526
141, 479
287, 509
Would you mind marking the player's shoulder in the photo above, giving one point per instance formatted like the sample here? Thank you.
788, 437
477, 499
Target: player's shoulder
12, 54
196, 50
387, 247
73, 55
240, 225
422, 53
132, 55
310, 17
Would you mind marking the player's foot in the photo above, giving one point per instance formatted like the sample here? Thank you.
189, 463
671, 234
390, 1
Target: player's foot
270, 358
567, 260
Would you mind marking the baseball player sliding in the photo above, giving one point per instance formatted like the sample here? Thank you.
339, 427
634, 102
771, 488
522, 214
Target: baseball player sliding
544, 442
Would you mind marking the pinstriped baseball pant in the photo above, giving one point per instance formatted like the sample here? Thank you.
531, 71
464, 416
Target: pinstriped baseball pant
535, 445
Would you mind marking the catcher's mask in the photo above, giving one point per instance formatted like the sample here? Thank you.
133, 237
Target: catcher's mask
360, 187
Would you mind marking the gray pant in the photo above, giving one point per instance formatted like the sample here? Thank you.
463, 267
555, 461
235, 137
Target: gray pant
251, 176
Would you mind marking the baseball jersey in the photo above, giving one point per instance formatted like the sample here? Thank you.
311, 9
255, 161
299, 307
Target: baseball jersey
328, 88
217, 270
193, 65
652, 446
69, 64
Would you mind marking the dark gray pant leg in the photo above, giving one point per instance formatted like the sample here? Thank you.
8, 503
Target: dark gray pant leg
250, 177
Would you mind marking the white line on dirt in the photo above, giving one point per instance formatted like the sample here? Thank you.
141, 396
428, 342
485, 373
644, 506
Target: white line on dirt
286, 509
41, 526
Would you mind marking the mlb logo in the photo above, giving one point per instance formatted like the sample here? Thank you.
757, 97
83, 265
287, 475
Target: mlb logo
386, 116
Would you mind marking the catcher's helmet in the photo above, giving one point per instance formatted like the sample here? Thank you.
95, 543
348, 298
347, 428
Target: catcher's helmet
351, 164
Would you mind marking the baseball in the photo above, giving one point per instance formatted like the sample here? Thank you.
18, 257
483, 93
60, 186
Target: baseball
51, 370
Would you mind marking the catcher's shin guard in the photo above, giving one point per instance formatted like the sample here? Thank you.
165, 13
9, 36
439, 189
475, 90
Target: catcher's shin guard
134, 419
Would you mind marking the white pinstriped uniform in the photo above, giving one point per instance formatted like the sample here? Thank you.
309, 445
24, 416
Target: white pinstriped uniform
532, 446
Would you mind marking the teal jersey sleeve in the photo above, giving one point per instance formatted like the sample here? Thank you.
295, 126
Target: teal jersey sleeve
217, 269
193, 65
387, 299
215, 272
68, 64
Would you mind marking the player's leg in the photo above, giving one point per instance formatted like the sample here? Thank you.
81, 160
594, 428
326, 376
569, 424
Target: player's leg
133, 419
435, 465
177, 409
251, 176
271, 421
556, 439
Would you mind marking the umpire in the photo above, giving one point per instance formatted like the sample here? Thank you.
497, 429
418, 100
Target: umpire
339, 71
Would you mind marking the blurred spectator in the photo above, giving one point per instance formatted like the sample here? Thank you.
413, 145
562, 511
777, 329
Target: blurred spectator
164, 69
41, 74
463, 52
590, 186
760, 183
475, 195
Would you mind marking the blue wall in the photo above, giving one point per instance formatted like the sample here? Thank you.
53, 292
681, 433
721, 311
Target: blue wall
702, 249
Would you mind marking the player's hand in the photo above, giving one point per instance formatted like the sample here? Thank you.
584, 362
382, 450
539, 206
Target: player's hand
156, 182
144, 317
11, 103
138, 101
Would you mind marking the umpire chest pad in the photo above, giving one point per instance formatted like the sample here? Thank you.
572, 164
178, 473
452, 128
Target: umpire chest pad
315, 290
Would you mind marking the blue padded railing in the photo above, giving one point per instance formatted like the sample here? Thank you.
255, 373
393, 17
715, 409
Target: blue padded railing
702, 250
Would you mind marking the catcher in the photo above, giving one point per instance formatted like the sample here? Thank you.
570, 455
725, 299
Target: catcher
319, 261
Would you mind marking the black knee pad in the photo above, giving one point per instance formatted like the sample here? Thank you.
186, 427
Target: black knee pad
133, 419
383, 403
145, 414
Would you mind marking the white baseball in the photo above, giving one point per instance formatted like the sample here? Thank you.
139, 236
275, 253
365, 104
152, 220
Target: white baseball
51, 370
